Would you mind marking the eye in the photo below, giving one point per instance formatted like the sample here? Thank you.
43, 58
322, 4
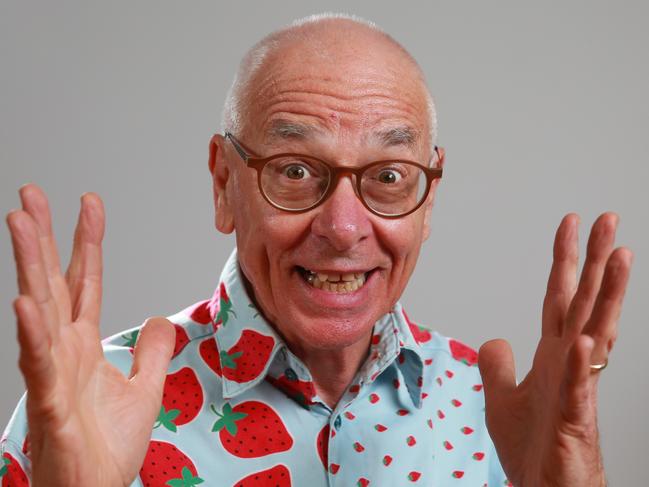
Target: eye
296, 171
388, 176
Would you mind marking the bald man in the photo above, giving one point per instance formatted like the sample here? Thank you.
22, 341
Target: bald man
303, 368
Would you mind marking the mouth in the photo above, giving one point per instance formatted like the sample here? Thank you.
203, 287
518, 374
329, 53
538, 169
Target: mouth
335, 282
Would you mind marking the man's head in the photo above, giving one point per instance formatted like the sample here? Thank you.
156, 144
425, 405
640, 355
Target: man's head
343, 91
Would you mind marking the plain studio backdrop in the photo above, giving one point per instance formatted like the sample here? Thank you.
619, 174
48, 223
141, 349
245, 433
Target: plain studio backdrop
543, 110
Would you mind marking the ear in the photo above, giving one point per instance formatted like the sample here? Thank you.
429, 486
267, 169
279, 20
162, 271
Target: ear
221, 185
431, 195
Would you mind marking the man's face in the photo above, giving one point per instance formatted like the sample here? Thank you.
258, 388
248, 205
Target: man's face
339, 108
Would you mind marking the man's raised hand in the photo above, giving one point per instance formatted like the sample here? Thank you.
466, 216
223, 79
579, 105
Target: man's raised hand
88, 423
545, 429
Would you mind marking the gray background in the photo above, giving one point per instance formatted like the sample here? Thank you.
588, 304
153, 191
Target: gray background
543, 110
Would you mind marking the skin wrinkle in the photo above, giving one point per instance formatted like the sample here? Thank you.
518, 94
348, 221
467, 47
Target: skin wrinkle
340, 234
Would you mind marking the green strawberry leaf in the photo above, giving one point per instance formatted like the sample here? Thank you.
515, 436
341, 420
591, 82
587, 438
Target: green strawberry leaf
252, 306
130, 338
229, 359
227, 419
5, 467
225, 308
166, 419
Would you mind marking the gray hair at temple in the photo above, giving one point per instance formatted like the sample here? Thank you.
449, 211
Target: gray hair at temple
253, 60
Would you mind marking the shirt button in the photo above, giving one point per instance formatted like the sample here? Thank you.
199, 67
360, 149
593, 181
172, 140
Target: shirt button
337, 422
290, 374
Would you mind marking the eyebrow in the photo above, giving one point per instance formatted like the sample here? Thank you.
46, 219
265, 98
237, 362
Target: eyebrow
403, 135
285, 129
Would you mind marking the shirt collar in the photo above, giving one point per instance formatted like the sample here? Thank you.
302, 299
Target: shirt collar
248, 345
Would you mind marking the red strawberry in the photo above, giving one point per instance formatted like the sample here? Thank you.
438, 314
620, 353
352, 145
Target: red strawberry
202, 312
11, 473
440, 414
354, 389
374, 398
396, 383
428, 361
414, 476
302, 391
165, 464
349, 415
387, 460
322, 445
430, 423
466, 430
376, 339
477, 387
251, 429
182, 399
439, 381
458, 474
411, 441
278, 476
358, 447
333, 468
478, 455
463, 353
362, 482
420, 334
402, 412
380, 428
449, 374
244, 361
456, 402
448, 445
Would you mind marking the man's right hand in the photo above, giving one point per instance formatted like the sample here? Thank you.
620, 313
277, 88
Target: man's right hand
88, 423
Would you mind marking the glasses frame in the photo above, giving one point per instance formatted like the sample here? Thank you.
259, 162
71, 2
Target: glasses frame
336, 172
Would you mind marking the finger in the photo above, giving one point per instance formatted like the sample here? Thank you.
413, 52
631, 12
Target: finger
35, 359
600, 246
496, 363
30, 269
84, 273
576, 405
602, 324
563, 276
153, 350
35, 203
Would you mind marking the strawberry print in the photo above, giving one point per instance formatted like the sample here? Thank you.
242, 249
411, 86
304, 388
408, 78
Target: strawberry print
420, 334
322, 445
251, 429
301, 391
182, 399
379, 432
244, 361
414, 476
165, 464
278, 476
463, 353
11, 473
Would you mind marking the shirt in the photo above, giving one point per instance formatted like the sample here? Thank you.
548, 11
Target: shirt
240, 409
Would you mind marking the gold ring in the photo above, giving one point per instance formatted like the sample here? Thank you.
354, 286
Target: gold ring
599, 367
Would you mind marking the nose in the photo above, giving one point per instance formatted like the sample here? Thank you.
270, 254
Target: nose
342, 219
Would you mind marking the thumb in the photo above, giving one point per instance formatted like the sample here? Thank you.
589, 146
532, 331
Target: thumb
496, 363
153, 350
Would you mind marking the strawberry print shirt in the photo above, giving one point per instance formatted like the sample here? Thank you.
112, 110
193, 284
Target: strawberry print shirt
239, 409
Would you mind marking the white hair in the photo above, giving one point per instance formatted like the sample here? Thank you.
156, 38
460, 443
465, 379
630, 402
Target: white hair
253, 60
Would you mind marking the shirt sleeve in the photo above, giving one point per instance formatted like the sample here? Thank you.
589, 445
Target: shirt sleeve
15, 468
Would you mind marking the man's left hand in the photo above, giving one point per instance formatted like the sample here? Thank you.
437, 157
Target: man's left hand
545, 428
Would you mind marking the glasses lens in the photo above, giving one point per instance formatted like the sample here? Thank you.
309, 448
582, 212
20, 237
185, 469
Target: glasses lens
294, 183
393, 188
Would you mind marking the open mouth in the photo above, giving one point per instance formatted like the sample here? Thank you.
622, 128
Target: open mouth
334, 281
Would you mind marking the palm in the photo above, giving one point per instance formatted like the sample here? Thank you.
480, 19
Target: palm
545, 428
78, 405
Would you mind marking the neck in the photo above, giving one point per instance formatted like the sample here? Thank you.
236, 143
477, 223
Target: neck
333, 371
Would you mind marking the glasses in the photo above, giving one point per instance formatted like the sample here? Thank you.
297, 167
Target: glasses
298, 183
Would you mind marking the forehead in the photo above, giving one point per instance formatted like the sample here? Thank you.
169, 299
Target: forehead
355, 86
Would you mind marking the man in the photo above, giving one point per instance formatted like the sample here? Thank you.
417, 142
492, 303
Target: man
303, 368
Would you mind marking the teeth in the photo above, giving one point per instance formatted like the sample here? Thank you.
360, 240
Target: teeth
338, 283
